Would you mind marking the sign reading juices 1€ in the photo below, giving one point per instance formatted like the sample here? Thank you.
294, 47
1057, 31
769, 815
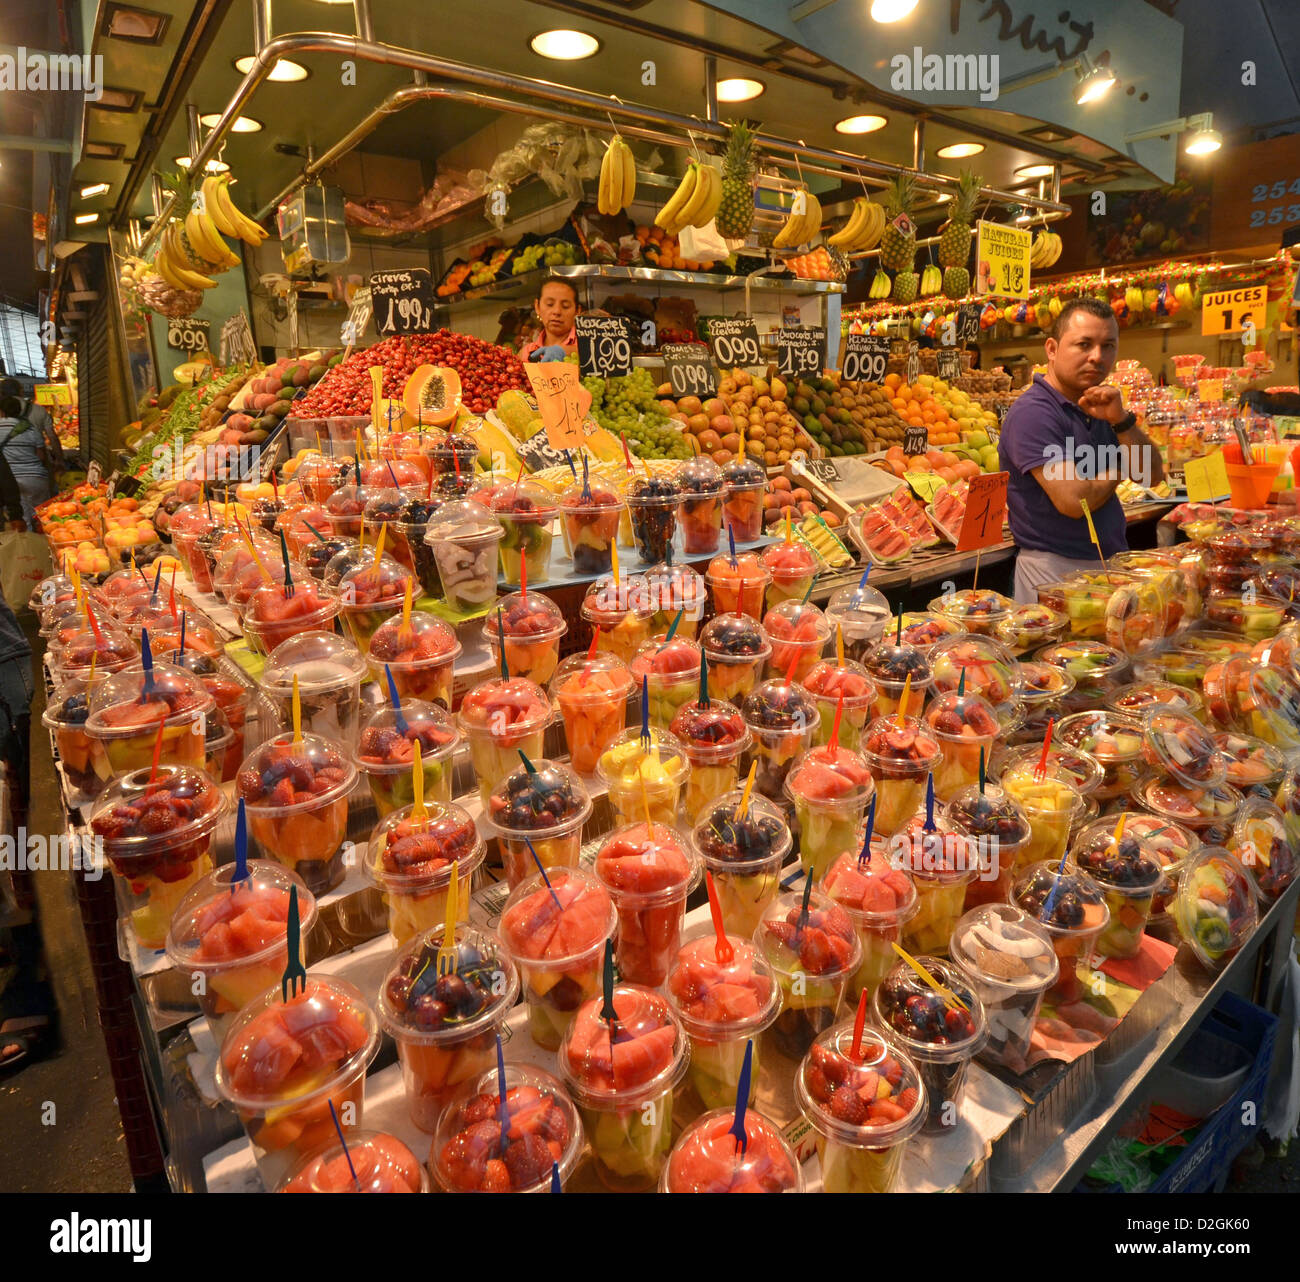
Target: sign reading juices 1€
1002, 260
562, 401
1226, 311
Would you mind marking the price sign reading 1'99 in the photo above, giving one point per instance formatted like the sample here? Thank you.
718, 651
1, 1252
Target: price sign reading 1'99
604, 346
866, 358
734, 342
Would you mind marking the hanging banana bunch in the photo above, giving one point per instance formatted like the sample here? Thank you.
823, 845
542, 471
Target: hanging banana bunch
192, 250
1046, 249
696, 200
803, 224
617, 177
880, 285
863, 228
230, 220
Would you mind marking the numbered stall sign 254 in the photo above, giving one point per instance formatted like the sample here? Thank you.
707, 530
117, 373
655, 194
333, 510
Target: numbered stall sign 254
188, 335
604, 346
800, 352
733, 341
866, 358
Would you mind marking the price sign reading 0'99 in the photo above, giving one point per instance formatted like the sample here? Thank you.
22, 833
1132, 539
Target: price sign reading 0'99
800, 352
734, 342
866, 358
688, 370
604, 346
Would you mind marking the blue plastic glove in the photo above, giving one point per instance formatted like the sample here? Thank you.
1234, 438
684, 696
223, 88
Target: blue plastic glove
555, 353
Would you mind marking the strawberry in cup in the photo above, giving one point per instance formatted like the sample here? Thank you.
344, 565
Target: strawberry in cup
501, 719
420, 652
371, 593
386, 751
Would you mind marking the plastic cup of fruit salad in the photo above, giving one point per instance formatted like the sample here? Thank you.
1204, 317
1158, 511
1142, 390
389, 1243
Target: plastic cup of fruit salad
385, 755
1072, 909
525, 511
126, 709
978, 610
670, 671
1114, 740
713, 735
744, 482
622, 1078
1009, 961
371, 594
1138, 697
997, 830
793, 567
964, 725
942, 865
737, 587
940, 1038
1028, 626
1259, 840
73, 658
619, 612
1051, 804
707, 1158
229, 937
294, 522
410, 860
798, 632
591, 520
1176, 744
464, 539
744, 854
542, 1127
880, 899
591, 694
329, 669
347, 504
1215, 909
737, 648
864, 1108
384, 509
900, 758
722, 1006
156, 838
65, 717
558, 948
826, 681
545, 806
501, 719
1252, 765
700, 510
1209, 812
642, 783
889, 667
283, 1063
420, 656
862, 613
831, 788
813, 959
1042, 692
533, 625
275, 614
445, 1020
1128, 876
652, 503
296, 796
782, 718
373, 1163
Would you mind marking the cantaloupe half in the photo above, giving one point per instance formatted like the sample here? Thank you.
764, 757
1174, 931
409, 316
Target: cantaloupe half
432, 395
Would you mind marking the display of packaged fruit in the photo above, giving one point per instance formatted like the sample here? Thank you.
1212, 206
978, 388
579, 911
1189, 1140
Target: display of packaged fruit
744, 482
329, 670
1176, 744
410, 859
782, 718
880, 899
652, 503
708, 1159
542, 805
445, 1018
644, 779
671, 590
156, 832
420, 654
737, 583
670, 672
542, 1130
1260, 843
885, 539
831, 788
501, 719
743, 849
1215, 909
1029, 626
861, 614
619, 612
997, 830
370, 594
1130, 879
737, 649
965, 726
901, 758
532, 625
1072, 909
713, 736
525, 511
591, 517
792, 567
276, 612
283, 1063
1251, 764
700, 505
65, 718
865, 1100
1139, 697
296, 795
813, 951
903, 509
233, 933
948, 509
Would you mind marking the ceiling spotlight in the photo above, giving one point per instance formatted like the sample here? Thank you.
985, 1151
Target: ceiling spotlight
1035, 171
564, 45
1024, 216
212, 167
95, 189
860, 124
1203, 141
891, 10
242, 125
82, 219
956, 150
283, 70
1091, 82
739, 89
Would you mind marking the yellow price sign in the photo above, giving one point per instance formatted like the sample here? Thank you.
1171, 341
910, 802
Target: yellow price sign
1207, 478
1002, 260
1227, 311
1209, 389
925, 484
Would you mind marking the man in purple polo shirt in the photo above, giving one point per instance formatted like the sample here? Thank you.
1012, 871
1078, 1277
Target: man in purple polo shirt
1065, 441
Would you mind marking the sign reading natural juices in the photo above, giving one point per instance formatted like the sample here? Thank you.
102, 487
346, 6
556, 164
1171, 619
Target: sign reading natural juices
1226, 311
1002, 260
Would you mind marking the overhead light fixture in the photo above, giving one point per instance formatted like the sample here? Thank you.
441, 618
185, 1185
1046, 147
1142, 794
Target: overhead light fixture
82, 219
956, 150
1203, 141
1091, 82
95, 189
564, 45
1202, 137
891, 10
860, 124
242, 125
739, 89
1024, 216
284, 70
213, 166
1035, 171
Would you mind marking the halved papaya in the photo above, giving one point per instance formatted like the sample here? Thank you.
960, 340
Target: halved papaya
432, 395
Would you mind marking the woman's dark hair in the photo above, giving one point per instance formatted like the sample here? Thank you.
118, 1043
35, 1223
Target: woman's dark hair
10, 407
1088, 304
560, 280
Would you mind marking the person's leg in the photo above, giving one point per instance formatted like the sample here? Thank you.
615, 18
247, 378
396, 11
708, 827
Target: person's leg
33, 490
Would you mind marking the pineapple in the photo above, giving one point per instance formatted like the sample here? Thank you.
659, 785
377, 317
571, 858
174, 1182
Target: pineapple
896, 249
736, 212
906, 285
956, 282
954, 241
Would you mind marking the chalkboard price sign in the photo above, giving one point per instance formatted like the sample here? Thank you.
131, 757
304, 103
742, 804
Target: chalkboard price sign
604, 346
968, 322
733, 342
916, 440
188, 335
800, 352
949, 364
913, 361
866, 358
688, 370
402, 300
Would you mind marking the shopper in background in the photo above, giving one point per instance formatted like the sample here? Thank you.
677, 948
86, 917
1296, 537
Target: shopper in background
27, 455
556, 308
1060, 443
40, 417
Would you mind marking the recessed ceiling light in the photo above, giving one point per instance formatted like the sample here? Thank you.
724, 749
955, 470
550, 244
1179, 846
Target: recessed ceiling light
95, 189
1203, 141
891, 10
285, 69
1035, 171
242, 125
213, 166
860, 124
739, 89
82, 219
956, 150
564, 45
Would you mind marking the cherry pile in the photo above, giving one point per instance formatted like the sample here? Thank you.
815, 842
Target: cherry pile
485, 372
